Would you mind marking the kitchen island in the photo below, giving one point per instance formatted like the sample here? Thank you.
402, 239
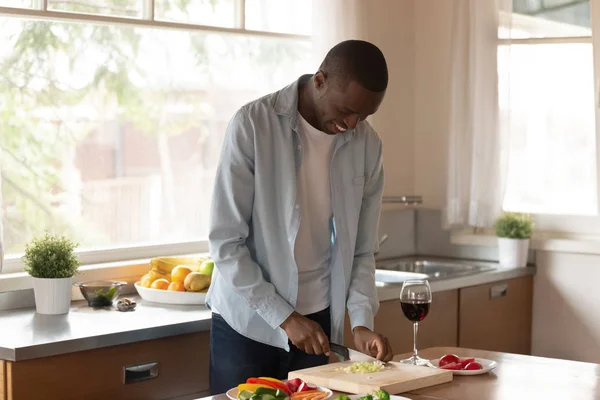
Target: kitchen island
516, 377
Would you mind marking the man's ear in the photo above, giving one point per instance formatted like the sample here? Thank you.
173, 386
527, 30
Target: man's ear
320, 79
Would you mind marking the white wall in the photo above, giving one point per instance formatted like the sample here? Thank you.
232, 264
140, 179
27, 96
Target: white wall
566, 306
566, 310
432, 52
390, 25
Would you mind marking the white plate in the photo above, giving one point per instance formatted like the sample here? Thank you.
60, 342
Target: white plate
392, 397
170, 297
233, 392
487, 365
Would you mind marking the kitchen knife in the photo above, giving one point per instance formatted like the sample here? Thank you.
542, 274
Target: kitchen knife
349, 354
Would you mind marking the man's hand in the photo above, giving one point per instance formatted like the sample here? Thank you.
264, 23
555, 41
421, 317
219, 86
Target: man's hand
372, 343
306, 334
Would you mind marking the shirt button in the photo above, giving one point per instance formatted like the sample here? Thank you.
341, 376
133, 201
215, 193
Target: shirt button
299, 147
297, 206
290, 240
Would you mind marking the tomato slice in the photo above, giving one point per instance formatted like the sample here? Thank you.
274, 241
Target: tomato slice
465, 361
448, 359
473, 366
453, 366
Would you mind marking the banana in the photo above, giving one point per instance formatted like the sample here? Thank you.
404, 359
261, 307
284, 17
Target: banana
166, 264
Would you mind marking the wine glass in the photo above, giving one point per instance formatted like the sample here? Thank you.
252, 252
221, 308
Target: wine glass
415, 299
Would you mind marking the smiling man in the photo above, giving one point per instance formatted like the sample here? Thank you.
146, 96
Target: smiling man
294, 220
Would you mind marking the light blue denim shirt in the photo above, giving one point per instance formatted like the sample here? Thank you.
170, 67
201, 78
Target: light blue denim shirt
255, 217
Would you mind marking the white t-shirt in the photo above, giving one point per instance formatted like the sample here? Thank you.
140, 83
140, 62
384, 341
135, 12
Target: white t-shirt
313, 242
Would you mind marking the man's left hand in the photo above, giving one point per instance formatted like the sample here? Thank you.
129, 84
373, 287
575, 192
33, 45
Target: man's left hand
372, 343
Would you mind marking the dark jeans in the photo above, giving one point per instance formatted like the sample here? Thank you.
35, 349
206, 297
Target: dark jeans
235, 358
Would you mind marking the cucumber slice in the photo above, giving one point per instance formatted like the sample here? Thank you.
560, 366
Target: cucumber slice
245, 395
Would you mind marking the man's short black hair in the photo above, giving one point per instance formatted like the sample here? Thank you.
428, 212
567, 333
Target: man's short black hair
360, 61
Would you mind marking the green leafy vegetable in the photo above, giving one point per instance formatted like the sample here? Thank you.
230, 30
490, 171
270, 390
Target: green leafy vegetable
342, 397
381, 394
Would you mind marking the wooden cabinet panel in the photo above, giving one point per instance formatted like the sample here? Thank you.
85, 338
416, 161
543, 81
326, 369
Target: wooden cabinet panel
497, 316
96, 374
2, 380
440, 327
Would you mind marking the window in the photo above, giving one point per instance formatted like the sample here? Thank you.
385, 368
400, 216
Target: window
111, 124
547, 99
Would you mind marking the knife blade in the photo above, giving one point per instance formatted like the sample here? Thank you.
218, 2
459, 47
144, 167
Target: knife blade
349, 354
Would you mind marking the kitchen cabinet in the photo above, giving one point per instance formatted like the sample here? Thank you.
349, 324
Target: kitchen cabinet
2, 380
173, 367
497, 316
438, 329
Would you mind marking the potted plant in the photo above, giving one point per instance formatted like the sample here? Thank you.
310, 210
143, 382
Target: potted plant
514, 232
51, 262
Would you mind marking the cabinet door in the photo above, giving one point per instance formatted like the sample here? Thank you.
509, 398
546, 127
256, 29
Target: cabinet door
438, 329
166, 368
3, 394
497, 316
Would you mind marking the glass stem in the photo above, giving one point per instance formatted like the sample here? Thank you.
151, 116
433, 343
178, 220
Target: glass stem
415, 329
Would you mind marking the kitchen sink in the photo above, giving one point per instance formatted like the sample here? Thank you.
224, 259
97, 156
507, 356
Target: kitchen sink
388, 277
399, 271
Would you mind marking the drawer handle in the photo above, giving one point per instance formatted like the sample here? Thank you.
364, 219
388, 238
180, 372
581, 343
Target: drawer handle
140, 372
498, 291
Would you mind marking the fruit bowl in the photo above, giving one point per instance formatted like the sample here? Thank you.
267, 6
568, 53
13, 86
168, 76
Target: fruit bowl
170, 297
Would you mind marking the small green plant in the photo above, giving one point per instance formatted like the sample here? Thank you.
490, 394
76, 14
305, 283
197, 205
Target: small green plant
514, 226
51, 256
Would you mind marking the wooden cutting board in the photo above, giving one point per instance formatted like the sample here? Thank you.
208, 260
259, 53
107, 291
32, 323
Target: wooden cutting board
396, 378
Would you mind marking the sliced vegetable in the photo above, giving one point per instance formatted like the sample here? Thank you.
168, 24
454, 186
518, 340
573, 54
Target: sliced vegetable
270, 382
342, 397
294, 384
454, 366
309, 395
448, 359
381, 394
465, 361
245, 395
473, 366
251, 387
305, 387
363, 367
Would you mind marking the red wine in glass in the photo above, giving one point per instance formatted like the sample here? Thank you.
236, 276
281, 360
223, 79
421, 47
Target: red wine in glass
415, 311
415, 300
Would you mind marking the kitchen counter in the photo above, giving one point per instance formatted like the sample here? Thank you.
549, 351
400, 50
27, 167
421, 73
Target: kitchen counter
24, 334
516, 377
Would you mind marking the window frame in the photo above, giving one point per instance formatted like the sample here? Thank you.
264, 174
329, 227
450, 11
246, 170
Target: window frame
559, 225
40, 11
565, 233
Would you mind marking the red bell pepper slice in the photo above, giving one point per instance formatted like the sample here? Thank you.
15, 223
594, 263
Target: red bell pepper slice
270, 383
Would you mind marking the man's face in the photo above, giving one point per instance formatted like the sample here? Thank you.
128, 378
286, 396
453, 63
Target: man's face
341, 105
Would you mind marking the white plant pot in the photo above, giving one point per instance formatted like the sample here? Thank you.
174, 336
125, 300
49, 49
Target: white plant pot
513, 252
52, 296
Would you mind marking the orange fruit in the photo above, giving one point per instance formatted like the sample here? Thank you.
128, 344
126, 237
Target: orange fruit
161, 284
146, 281
176, 287
179, 273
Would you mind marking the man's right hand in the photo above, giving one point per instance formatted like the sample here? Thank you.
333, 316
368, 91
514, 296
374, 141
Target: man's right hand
306, 334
